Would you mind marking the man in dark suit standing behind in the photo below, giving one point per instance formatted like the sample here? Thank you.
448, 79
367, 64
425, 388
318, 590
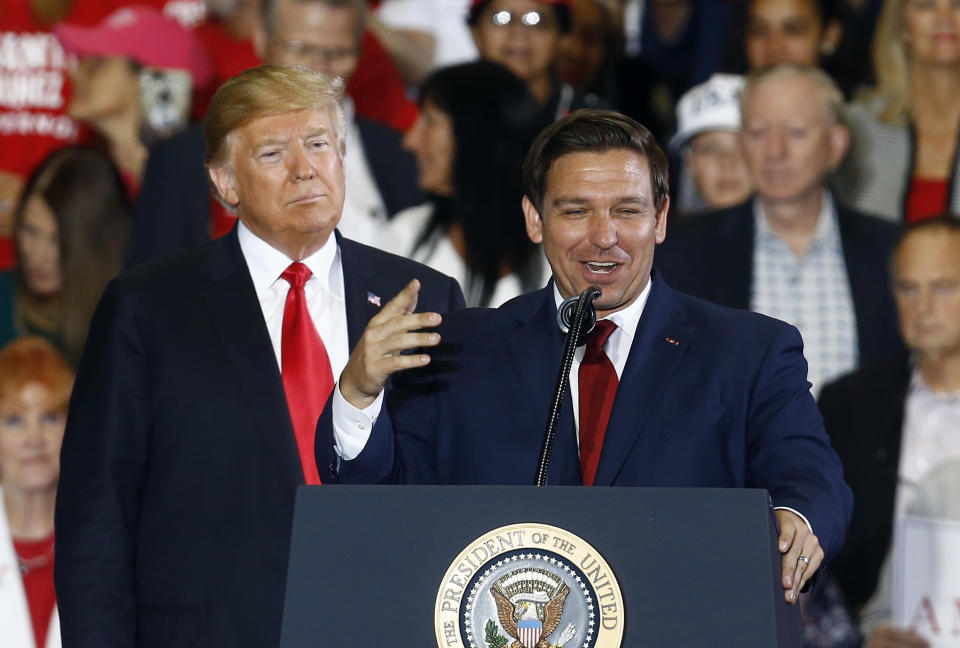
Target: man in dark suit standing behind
191, 424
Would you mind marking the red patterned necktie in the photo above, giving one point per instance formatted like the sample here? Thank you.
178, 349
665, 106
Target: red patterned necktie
305, 367
598, 388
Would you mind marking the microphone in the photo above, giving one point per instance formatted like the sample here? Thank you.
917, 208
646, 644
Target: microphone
565, 315
576, 318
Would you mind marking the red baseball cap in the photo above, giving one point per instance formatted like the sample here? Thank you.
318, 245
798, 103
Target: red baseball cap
143, 34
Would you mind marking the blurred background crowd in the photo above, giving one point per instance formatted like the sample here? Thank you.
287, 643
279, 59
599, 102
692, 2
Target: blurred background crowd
814, 170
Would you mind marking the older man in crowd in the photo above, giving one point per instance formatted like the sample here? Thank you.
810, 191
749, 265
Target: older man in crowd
895, 423
193, 417
175, 209
793, 252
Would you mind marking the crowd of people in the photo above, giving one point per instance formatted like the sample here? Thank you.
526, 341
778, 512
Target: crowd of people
813, 163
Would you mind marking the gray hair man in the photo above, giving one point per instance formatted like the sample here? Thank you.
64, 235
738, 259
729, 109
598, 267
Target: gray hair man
793, 252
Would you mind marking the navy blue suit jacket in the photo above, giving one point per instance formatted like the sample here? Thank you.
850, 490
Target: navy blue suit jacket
179, 464
173, 209
711, 256
728, 405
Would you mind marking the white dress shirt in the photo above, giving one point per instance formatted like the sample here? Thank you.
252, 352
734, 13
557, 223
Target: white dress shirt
931, 422
325, 301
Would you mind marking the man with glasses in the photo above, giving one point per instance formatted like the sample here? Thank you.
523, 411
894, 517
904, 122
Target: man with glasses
175, 210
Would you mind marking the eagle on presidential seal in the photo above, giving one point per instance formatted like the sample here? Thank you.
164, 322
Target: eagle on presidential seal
530, 605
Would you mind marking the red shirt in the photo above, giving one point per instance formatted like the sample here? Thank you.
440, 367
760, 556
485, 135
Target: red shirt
38, 583
926, 198
35, 88
376, 88
35, 91
227, 55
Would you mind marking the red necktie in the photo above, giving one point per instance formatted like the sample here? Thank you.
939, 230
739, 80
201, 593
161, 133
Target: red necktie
305, 367
598, 388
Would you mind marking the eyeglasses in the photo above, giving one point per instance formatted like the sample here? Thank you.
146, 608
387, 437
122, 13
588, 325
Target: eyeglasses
534, 19
329, 55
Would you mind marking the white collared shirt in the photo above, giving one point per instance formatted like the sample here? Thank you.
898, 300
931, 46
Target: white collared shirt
325, 301
812, 293
324, 291
931, 422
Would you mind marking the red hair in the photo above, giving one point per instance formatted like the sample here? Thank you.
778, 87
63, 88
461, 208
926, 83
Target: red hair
32, 359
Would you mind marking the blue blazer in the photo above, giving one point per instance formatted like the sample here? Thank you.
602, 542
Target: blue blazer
179, 464
711, 256
728, 405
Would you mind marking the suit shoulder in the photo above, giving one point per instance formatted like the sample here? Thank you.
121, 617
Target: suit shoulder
188, 142
167, 270
718, 221
373, 131
477, 323
878, 379
868, 226
707, 236
733, 322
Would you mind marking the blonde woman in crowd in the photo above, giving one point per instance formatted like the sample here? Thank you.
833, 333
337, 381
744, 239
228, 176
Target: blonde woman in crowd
34, 389
902, 163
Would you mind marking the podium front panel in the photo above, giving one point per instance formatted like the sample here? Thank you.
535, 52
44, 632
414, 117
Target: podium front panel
696, 567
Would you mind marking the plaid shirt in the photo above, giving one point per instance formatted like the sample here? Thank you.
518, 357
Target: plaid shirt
812, 293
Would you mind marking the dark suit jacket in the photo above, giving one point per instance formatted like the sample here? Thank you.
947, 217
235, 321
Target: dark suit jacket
173, 209
727, 406
179, 464
863, 414
711, 256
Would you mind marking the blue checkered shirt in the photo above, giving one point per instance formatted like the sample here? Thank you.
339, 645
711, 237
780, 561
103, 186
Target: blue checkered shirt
812, 293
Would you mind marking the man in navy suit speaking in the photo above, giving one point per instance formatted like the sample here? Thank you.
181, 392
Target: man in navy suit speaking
669, 391
195, 408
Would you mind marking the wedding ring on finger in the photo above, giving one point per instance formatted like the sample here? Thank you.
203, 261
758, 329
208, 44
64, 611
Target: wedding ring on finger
805, 559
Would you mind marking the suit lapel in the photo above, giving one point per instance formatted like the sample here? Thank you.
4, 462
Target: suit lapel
361, 291
235, 314
737, 271
536, 346
652, 361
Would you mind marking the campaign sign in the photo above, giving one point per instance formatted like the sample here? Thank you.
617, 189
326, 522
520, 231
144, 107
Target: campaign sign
926, 579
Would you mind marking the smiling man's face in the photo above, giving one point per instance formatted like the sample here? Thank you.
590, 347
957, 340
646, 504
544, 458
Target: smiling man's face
284, 176
599, 225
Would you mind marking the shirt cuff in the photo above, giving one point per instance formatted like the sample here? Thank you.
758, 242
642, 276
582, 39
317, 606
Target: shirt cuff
785, 508
352, 426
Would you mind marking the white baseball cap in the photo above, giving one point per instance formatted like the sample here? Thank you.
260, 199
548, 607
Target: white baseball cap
712, 105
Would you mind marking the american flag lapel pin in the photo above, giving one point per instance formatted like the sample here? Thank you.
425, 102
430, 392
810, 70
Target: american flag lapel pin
373, 299
673, 342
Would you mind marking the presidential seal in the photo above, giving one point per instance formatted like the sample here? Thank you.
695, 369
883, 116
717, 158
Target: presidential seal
529, 586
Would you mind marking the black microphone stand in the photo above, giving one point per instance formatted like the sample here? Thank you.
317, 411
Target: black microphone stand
584, 304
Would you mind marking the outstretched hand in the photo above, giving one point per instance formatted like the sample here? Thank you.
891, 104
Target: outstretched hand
378, 354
